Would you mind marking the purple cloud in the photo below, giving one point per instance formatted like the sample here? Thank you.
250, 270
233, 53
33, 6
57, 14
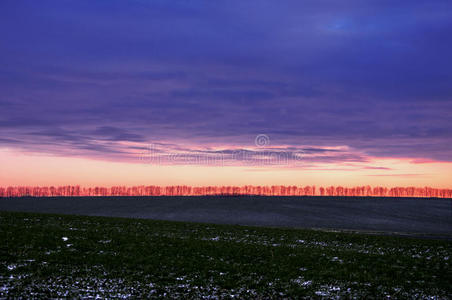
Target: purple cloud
82, 77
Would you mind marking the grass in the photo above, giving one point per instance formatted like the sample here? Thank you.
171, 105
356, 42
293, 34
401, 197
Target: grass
44, 255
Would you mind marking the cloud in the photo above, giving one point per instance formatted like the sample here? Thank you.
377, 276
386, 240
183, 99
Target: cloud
374, 77
111, 133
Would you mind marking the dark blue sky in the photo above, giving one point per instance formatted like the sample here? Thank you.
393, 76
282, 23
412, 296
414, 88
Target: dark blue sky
371, 75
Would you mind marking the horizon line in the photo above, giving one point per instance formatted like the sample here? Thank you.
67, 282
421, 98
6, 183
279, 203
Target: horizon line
246, 190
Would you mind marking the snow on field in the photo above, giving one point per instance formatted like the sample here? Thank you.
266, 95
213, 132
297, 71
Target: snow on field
98, 282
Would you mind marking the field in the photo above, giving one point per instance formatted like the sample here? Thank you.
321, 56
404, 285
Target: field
413, 216
50, 255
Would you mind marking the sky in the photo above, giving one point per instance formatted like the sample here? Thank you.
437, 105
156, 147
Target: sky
226, 92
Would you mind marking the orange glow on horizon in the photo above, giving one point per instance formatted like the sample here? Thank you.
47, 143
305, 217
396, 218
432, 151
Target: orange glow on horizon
37, 169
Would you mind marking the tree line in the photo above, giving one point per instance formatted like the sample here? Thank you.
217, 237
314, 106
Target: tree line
183, 190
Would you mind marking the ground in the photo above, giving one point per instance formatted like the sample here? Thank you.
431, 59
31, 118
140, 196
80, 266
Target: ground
49, 255
414, 216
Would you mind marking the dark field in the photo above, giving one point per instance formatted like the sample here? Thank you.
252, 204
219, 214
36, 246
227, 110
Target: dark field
43, 256
418, 216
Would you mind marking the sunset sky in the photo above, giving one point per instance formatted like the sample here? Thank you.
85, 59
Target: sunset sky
226, 93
